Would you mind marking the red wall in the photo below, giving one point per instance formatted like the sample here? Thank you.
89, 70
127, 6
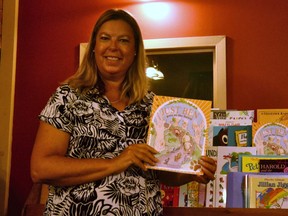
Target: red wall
48, 45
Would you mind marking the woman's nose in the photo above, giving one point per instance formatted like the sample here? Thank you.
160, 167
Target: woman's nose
113, 45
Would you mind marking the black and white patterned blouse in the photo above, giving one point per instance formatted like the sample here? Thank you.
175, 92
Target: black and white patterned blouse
98, 130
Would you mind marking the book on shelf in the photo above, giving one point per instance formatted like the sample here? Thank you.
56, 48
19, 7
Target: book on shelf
273, 165
178, 131
235, 190
227, 161
250, 163
212, 152
271, 115
170, 195
266, 191
233, 114
223, 132
228, 158
270, 138
192, 194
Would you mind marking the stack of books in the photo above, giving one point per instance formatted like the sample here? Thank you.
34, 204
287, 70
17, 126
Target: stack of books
251, 156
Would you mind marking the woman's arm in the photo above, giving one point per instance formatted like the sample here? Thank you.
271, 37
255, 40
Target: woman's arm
50, 165
208, 167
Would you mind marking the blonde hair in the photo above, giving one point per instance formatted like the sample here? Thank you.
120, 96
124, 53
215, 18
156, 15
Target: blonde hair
135, 84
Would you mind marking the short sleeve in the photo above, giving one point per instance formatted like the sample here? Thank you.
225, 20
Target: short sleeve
55, 112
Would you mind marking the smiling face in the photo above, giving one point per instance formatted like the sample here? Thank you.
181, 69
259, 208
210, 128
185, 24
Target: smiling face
114, 49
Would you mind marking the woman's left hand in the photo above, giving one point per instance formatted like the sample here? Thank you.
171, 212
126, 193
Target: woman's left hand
208, 166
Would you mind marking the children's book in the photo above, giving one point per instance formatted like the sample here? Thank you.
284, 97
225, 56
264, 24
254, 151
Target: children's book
220, 193
178, 131
212, 152
267, 191
228, 158
250, 163
227, 161
170, 195
223, 132
272, 115
183, 196
232, 114
273, 165
236, 190
192, 194
270, 138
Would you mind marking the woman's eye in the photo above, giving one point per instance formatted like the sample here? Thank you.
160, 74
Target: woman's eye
104, 38
124, 40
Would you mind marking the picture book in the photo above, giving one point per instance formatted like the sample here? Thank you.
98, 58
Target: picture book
267, 191
191, 194
228, 158
170, 195
270, 138
220, 196
273, 165
224, 132
183, 196
212, 152
178, 131
235, 190
227, 161
232, 114
250, 163
272, 115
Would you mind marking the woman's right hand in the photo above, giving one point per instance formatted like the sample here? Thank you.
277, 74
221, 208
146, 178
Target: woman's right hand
136, 154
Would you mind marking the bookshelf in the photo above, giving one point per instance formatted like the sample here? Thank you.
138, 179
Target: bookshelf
176, 211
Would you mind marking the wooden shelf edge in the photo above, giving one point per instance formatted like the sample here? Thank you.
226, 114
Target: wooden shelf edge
176, 211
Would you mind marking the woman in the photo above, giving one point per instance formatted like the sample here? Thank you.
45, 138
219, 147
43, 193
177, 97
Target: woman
90, 146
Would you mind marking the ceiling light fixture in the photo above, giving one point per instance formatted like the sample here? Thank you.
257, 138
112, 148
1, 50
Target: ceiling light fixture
154, 73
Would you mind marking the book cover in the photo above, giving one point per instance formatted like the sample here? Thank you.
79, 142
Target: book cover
192, 194
220, 196
267, 191
228, 158
271, 115
230, 132
270, 138
235, 190
273, 165
250, 163
211, 151
233, 114
227, 161
170, 195
183, 196
178, 131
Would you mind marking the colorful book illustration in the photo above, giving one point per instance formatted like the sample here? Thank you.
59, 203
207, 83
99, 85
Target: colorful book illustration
272, 115
270, 138
232, 114
273, 165
228, 158
178, 131
267, 191
191, 195
220, 195
211, 151
230, 132
250, 163
227, 161
170, 195
183, 196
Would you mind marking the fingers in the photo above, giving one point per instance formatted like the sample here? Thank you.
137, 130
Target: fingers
208, 166
140, 155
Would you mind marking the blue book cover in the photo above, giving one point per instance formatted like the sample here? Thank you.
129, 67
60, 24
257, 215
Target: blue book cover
236, 190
